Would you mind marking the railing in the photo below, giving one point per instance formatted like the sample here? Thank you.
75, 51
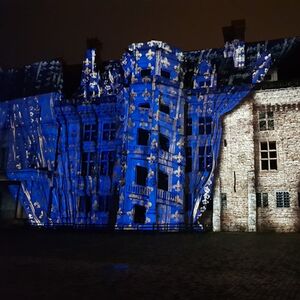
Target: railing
165, 155
123, 228
138, 189
165, 195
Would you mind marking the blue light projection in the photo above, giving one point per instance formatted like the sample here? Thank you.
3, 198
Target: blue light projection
136, 144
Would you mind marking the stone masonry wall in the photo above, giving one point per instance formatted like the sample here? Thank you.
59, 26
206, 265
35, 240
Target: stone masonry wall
240, 157
285, 104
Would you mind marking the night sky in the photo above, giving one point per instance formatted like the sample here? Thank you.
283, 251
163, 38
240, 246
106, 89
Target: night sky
32, 30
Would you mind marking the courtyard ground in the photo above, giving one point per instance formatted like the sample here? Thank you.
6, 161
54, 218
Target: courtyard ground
95, 265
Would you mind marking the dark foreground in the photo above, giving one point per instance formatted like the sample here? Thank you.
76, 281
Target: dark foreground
94, 265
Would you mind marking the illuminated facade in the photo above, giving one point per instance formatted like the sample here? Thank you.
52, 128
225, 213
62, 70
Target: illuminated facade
137, 144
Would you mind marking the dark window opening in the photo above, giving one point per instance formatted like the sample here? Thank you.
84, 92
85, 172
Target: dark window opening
88, 164
103, 203
85, 204
163, 181
164, 108
223, 200
299, 199
188, 153
165, 74
107, 161
141, 175
282, 199
144, 105
225, 143
163, 142
109, 132
145, 72
89, 132
262, 200
3, 159
189, 128
143, 137
139, 214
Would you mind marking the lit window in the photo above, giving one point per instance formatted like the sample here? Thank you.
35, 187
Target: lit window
89, 132
205, 158
266, 121
262, 200
143, 137
88, 164
282, 199
109, 131
205, 125
107, 160
268, 156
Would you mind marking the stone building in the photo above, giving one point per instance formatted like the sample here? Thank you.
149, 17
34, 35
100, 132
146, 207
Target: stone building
137, 144
257, 187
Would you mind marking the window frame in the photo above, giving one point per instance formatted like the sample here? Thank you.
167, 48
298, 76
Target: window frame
89, 132
268, 152
285, 196
266, 118
110, 130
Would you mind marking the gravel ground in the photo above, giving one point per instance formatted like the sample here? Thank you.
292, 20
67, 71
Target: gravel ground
85, 265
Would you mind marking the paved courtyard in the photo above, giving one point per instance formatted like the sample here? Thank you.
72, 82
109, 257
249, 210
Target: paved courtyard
94, 265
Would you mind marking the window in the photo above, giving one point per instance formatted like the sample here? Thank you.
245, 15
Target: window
3, 158
104, 203
163, 181
107, 161
163, 142
164, 108
144, 105
223, 200
189, 127
85, 204
262, 200
188, 154
145, 72
109, 131
141, 175
205, 158
143, 137
266, 120
268, 156
282, 199
139, 214
89, 132
165, 74
205, 125
299, 199
88, 164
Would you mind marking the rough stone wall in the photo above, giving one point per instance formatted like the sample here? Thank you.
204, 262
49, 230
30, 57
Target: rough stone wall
285, 104
240, 159
235, 162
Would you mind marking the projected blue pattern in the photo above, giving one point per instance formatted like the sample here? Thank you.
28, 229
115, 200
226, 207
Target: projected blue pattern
137, 144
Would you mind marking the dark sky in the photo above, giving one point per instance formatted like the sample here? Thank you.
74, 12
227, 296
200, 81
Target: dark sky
31, 30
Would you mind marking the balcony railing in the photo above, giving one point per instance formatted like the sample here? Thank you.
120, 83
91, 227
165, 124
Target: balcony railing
138, 189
